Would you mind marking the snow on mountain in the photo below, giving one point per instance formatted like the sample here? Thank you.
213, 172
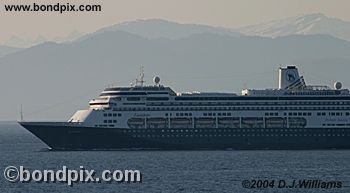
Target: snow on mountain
301, 25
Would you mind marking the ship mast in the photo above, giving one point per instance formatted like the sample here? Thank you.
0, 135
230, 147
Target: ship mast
21, 113
140, 81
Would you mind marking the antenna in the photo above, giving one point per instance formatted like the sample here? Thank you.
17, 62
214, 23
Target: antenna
142, 75
140, 81
245, 86
21, 113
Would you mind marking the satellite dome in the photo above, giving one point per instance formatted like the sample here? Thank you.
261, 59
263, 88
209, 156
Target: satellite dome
156, 79
337, 85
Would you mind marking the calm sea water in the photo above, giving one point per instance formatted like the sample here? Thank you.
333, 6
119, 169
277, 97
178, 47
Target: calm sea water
171, 171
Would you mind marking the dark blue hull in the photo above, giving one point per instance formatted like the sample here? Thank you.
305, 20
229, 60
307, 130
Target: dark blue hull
62, 136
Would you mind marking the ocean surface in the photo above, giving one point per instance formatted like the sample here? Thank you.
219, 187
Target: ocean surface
171, 171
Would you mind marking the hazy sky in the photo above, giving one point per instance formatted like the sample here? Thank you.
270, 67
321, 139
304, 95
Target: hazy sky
226, 13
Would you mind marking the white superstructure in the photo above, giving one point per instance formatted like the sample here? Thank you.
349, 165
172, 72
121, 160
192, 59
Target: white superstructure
293, 105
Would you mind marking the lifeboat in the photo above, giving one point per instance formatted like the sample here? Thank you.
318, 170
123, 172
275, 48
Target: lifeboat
228, 120
136, 122
254, 122
156, 120
156, 123
182, 121
275, 122
297, 122
205, 121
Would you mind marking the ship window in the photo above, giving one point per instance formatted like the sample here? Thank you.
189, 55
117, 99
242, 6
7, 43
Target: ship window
105, 114
109, 121
133, 98
114, 114
347, 113
105, 121
114, 121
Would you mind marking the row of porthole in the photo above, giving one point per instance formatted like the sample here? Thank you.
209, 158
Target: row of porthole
110, 121
257, 135
254, 103
104, 125
237, 130
244, 126
229, 108
112, 114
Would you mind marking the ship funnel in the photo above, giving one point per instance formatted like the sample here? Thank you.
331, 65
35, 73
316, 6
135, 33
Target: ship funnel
289, 78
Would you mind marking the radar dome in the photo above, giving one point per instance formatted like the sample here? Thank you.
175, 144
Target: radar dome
337, 85
156, 79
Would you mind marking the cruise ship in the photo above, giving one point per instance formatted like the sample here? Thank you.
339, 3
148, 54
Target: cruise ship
293, 116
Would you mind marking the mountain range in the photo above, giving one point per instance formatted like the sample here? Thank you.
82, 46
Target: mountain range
310, 24
4, 50
159, 28
52, 80
19, 42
